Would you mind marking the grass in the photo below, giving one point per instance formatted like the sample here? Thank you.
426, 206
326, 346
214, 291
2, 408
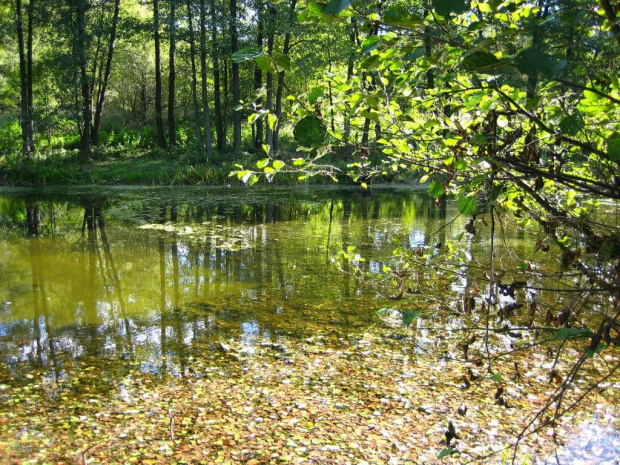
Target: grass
120, 165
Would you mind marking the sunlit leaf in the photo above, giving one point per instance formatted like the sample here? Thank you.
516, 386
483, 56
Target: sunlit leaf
435, 190
246, 54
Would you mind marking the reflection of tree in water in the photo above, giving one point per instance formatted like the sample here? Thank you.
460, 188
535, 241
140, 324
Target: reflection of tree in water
94, 240
40, 301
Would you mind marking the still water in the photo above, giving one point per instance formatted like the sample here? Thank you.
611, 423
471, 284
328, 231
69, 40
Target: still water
153, 278
157, 274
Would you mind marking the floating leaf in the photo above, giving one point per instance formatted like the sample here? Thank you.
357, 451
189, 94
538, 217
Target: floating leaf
409, 316
446, 452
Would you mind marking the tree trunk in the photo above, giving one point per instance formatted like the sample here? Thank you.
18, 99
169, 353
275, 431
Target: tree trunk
25, 85
86, 149
106, 76
269, 103
172, 138
348, 148
217, 95
192, 53
29, 78
236, 84
285, 50
225, 116
159, 123
203, 78
258, 78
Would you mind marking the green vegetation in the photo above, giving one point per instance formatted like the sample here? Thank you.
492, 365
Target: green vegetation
511, 108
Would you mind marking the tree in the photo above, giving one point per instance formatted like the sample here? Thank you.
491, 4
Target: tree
203, 78
103, 81
236, 91
527, 131
219, 121
25, 71
172, 138
159, 122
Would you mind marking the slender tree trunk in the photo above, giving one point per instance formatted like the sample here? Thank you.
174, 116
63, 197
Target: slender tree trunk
280, 91
348, 148
203, 78
225, 120
106, 76
159, 123
86, 148
217, 95
258, 78
428, 52
236, 84
192, 48
24, 66
30, 79
172, 139
269, 103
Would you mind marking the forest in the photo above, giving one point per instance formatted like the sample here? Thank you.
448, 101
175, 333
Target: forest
502, 118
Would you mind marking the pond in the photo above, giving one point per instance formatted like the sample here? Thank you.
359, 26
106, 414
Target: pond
97, 284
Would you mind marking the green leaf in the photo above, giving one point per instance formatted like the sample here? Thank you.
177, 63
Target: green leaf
533, 60
265, 64
398, 15
497, 378
370, 63
278, 164
613, 146
271, 121
384, 310
246, 54
446, 452
435, 190
482, 61
370, 44
315, 94
571, 125
467, 205
446, 7
599, 348
570, 333
283, 62
336, 6
409, 316
532, 103
309, 131
260, 164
